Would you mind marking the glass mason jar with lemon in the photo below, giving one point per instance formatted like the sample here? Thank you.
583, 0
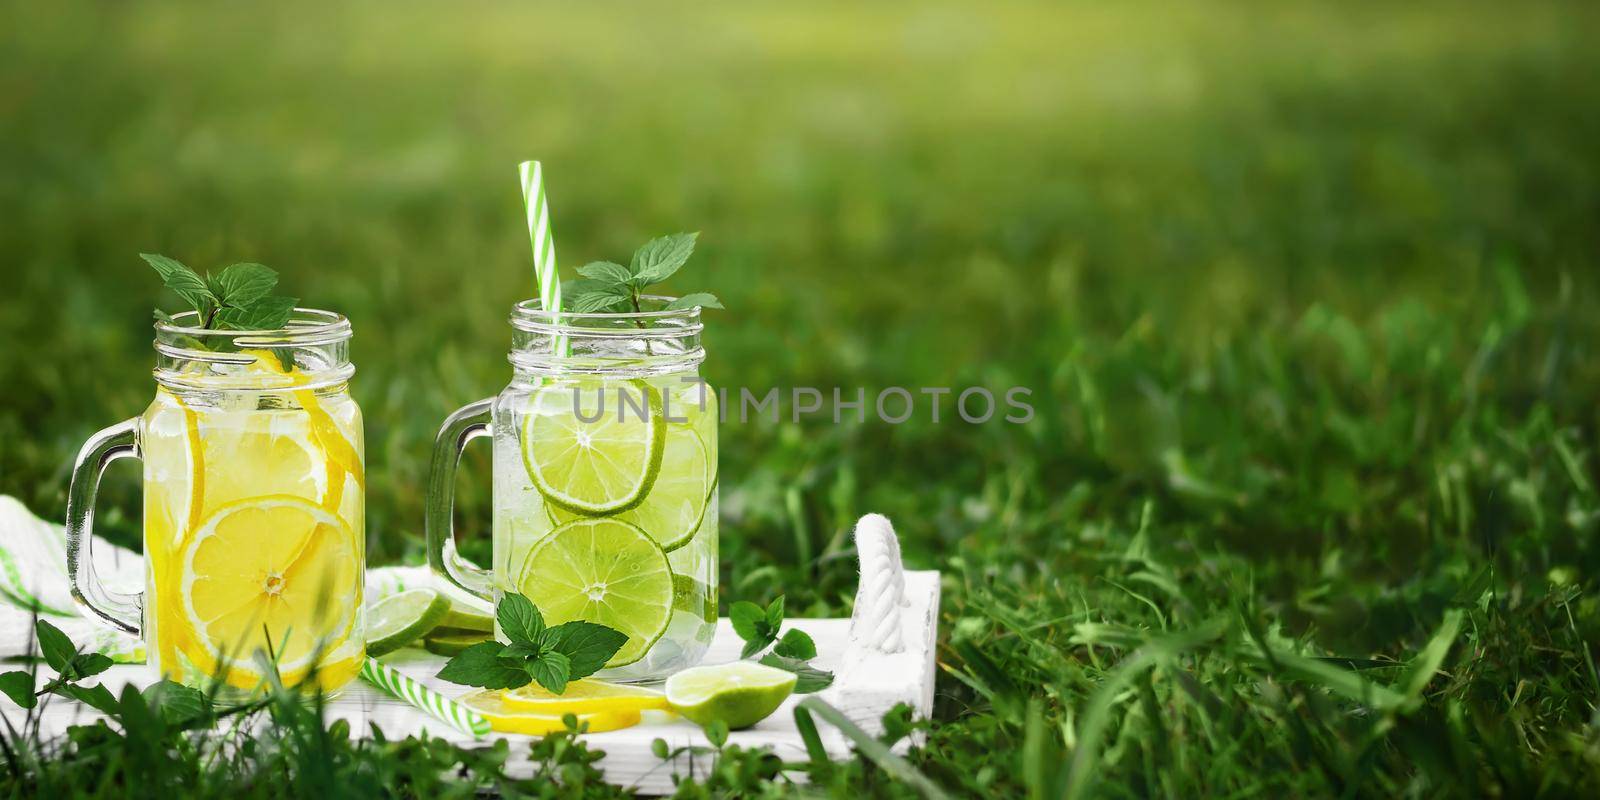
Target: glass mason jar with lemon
605, 481
254, 492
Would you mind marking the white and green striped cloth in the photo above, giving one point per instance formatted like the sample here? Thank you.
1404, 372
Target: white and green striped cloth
33, 579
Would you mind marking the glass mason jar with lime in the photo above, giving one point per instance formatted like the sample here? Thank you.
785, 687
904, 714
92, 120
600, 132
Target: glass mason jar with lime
605, 480
254, 491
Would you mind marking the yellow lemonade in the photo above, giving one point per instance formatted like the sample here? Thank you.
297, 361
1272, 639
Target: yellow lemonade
254, 531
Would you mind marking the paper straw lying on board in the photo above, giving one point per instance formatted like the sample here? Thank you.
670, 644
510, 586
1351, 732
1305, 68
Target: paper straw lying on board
424, 699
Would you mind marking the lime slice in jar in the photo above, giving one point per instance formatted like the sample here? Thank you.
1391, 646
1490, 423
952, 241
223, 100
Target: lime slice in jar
599, 467
676, 505
605, 571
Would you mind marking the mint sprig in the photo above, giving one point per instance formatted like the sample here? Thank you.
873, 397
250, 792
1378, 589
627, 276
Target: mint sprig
238, 298
756, 626
792, 652
610, 287
551, 655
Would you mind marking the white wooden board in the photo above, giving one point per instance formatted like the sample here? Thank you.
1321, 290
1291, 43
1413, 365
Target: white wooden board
882, 656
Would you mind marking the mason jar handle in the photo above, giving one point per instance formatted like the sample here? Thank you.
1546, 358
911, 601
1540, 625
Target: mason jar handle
123, 611
469, 422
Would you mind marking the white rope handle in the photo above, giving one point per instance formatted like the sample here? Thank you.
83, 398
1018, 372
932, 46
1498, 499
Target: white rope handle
877, 621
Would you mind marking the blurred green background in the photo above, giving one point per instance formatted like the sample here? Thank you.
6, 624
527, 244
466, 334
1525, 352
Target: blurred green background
1313, 284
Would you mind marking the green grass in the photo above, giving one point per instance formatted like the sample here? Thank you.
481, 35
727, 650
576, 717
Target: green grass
1306, 297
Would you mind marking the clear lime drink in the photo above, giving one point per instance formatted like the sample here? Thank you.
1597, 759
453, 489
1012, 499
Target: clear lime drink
605, 481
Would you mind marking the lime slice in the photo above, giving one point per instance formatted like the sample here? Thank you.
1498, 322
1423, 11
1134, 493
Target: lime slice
467, 620
400, 619
605, 571
694, 597
585, 696
598, 467
507, 719
453, 644
739, 694
676, 504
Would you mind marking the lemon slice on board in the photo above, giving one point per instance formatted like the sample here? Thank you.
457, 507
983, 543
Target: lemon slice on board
506, 719
586, 696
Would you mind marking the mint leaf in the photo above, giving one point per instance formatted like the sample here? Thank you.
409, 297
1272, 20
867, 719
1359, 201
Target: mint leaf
480, 665
808, 678
717, 732
54, 645
18, 686
598, 300
551, 671
745, 615
586, 645
179, 705
85, 665
162, 316
139, 722
264, 314
659, 258
775, 614
242, 285
701, 299
796, 644
519, 619
97, 697
184, 282
517, 650
577, 286
753, 646
605, 272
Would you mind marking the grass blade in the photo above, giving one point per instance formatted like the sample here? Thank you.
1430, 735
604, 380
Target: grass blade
875, 751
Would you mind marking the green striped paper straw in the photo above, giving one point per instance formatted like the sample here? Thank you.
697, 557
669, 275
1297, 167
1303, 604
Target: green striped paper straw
424, 699
539, 234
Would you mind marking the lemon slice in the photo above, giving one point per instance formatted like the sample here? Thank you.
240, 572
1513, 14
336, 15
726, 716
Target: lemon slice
602, 570
598, 467
585, 696
174, 483
339, 446
249, 454
175, 467
505, 718
269, 575
672, 511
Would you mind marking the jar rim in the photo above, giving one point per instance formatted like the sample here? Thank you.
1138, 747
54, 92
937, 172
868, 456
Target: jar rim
306, 327
654, 340
314, 342
654, 322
